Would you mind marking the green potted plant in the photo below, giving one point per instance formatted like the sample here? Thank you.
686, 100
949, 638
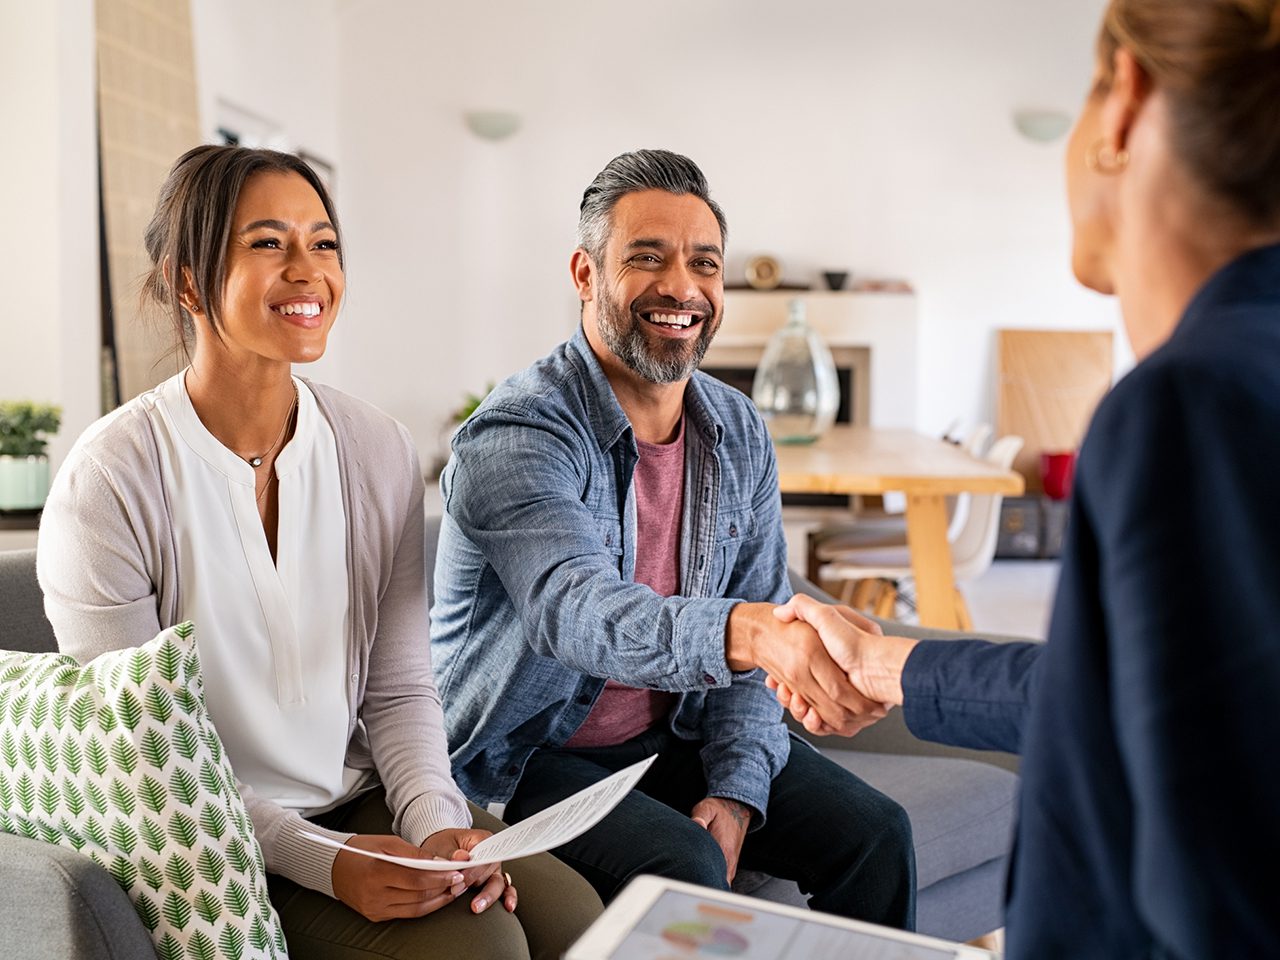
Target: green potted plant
25, 428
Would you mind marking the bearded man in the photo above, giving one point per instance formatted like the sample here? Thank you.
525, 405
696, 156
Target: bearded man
609, 560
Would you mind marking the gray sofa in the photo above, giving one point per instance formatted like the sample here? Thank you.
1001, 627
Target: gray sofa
55, 903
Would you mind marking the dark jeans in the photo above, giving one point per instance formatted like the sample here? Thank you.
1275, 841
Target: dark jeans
847, 845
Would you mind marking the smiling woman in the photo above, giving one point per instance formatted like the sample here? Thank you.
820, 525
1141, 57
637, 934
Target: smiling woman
233, 495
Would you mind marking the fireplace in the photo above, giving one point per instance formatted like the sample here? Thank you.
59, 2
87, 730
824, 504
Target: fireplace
872, 339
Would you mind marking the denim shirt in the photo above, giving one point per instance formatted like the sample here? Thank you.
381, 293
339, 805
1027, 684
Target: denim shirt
535, 604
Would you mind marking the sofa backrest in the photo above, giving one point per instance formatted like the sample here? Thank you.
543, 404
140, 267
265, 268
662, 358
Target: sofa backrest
22, 622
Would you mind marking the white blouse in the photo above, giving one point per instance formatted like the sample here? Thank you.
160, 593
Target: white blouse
272, 636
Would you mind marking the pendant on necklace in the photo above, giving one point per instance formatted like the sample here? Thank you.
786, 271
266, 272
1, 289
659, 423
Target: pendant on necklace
255, 462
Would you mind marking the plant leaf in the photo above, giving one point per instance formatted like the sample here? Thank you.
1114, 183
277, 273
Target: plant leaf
184, 787
182, 829
150, 873
231, 943
159, 704
96, 754
94, 832
139, 666
185, 740
201, 946
124, 871
211, 865
71, 755
213, 821
168, 660
72, 797
82, 711
122, 798
125, 754
124, 837
208, 906
129, 709
179, 872
25, 791
147, 910
97, 799
152, 794
236, 898
106, 718
152, 835
169, 948
49, 797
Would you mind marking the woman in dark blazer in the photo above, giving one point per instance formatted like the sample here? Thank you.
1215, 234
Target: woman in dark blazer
1149, 820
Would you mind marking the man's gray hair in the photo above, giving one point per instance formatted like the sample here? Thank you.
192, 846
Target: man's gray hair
630, 173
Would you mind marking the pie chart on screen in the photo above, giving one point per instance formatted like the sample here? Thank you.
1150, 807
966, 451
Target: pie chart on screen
705, 939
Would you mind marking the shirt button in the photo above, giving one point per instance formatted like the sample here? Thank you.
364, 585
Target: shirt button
513, 770
733, 529
584, 700
708, 678
702, 562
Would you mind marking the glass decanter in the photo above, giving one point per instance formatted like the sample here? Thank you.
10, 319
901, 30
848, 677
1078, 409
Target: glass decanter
795, 387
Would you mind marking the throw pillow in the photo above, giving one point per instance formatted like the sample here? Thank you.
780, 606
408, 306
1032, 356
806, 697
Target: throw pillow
119, 760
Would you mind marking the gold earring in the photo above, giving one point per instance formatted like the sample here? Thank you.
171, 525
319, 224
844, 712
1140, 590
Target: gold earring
1102, 158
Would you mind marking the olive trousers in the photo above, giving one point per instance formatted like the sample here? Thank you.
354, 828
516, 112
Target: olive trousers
555, 906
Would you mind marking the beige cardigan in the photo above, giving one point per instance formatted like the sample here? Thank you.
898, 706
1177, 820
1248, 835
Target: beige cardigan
106, 562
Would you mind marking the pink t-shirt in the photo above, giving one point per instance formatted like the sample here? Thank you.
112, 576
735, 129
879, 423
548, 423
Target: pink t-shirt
622, 712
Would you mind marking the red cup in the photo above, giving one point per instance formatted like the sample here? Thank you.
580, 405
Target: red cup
1057, 470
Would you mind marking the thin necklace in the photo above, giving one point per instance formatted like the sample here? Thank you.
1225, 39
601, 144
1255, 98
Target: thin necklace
257, 461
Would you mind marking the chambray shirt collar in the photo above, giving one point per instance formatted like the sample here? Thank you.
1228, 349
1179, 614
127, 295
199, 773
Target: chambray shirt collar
608, 420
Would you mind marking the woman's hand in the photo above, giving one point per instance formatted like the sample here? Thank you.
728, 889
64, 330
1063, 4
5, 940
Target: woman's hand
456, 844
378, 890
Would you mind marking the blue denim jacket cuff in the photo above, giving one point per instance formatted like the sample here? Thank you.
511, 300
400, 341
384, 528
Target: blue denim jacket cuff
745, 782
698, 642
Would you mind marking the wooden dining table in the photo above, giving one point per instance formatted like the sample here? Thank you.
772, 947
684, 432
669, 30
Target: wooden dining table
866, 460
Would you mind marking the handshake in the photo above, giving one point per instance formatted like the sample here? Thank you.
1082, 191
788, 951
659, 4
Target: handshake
830, 666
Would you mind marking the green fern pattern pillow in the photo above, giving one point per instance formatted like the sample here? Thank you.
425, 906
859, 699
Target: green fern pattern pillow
119, 760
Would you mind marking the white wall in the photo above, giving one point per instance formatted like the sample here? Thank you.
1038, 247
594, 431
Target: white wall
277, 62
868, 134
874, 135
49, 321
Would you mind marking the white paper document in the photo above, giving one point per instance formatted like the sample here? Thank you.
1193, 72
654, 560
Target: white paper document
555, 825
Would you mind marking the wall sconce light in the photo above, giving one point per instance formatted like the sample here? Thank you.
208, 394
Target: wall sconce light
492, 124
1041, 126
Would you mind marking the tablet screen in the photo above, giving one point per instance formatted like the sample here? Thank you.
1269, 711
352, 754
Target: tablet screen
683, 927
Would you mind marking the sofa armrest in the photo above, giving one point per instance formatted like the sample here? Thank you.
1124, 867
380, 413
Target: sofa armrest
56, 904
891, 735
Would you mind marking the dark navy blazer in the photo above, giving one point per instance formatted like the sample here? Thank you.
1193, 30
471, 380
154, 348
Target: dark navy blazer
1149, 821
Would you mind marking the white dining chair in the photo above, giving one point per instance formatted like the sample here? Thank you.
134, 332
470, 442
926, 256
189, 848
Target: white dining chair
889, 529
873, 576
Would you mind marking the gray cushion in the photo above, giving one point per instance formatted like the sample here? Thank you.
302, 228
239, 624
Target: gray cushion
59, 904
961, 812
22, 622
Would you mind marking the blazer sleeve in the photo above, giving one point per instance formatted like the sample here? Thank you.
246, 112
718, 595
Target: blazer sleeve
970, 693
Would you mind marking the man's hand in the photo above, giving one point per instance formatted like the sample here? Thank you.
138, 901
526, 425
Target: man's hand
792, 653
727, 821
378, 890
456, 844
872, 661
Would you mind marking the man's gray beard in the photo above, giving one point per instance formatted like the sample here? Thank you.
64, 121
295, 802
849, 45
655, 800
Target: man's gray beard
623, 336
